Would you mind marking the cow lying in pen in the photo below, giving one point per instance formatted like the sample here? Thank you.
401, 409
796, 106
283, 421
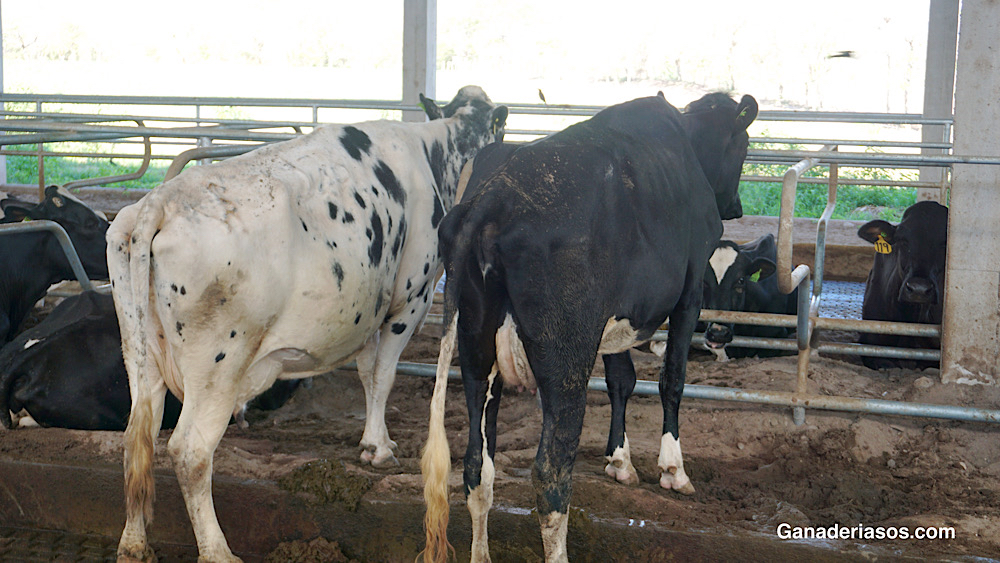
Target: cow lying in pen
282, 263
580, 244
67, 372
740, 277
33, 261
906, 282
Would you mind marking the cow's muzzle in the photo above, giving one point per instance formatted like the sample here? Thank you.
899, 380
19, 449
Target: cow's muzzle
918, 290
717, 335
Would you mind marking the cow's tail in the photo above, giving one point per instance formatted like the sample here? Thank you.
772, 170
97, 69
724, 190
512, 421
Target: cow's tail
129, 241
435, 464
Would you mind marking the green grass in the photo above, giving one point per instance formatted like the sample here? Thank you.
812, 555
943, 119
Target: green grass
59, 170
759, 198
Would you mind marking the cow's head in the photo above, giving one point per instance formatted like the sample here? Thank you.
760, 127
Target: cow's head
731, 270
717, 129
484, 120
915, 249
85, 227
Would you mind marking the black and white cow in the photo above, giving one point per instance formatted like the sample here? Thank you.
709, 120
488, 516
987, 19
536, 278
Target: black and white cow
33, 261
740, 277
906, 282
281, 263
580, 244
67, 372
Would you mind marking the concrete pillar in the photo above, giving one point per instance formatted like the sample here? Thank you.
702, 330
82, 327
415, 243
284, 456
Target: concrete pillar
971, 343
3, 159
419, 53
939, 87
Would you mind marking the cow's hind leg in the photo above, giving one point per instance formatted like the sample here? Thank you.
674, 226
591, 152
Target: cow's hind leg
203, 420
377, 448
619, 372
561, 371
483, 386
672, 375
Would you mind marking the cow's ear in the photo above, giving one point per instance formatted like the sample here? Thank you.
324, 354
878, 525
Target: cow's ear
660, 94
498, 119
763, 246
872, 230
746, 112
430, 108
761, 268
15, 211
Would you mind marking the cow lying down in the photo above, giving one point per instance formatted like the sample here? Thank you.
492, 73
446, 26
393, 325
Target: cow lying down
740, 277
906, 282
68, 372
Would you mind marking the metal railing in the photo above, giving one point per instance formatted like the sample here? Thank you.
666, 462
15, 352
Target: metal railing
40, 127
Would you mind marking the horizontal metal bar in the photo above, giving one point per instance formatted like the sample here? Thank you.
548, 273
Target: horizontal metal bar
851, 143
844, 181
64, 241
883, 159
127, 131
774, 398
550, 109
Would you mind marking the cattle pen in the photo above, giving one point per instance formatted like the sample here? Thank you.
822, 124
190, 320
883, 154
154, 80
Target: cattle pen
61, 120
242, 494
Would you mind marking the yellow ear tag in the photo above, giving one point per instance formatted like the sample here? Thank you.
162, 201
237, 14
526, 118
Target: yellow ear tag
881, 246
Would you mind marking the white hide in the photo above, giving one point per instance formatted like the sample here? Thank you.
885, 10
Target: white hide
722, 259
671, 464
480, 499
620, 465
554, 527
511, 359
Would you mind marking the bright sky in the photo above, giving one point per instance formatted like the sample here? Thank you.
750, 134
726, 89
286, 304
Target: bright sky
578, 52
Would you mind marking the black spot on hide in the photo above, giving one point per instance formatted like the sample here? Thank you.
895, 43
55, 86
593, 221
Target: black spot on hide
355, 142
398, 328
361, 202
219, 357
387, 178
333, 209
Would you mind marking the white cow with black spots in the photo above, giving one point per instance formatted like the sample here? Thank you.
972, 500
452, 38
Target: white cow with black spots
284, 263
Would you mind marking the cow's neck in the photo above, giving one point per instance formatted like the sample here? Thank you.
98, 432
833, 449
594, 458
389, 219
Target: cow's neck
458, 143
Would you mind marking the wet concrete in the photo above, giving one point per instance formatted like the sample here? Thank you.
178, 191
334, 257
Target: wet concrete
258, 515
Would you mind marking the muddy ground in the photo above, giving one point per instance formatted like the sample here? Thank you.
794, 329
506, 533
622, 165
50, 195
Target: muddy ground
752, 468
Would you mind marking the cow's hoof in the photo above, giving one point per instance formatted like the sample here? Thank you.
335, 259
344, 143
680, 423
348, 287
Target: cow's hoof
130, 556
622, 472
379, 459
678, 481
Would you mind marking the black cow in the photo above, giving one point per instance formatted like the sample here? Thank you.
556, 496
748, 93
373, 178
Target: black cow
739, 278
68, 371
906, 282
33, 261
580, 244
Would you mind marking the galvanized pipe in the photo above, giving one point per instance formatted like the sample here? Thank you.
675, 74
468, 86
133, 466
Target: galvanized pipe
64, 241
215, 151
775, 398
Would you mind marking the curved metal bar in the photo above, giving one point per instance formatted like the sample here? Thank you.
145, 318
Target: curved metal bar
64, 241
146, 158
217, 151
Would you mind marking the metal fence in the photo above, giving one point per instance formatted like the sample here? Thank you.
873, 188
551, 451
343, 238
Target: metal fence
178, 130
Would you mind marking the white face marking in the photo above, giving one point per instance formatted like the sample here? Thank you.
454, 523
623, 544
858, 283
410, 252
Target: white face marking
31, 343
618, 336
722, 259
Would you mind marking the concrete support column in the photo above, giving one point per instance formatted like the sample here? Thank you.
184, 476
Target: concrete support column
939, 87
971, 344
419, 53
